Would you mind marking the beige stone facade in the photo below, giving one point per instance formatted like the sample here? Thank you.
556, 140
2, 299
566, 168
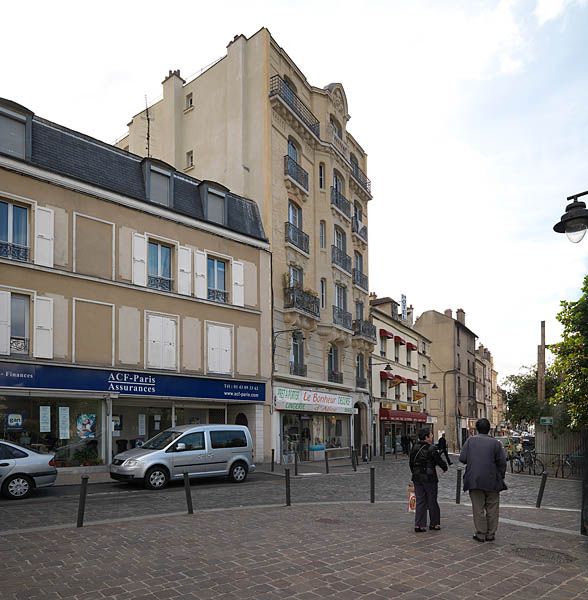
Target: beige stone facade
253, 122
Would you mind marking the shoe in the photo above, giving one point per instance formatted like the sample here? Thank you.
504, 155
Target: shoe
478, 539
420, 529
435, 527
490, 538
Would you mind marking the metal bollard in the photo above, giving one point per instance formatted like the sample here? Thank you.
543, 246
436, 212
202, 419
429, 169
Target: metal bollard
188, 494
296, 463
458, 487
372, 484
541, 489
370, 454
273, 458
326, 462
353, 459
82, 501
288, 500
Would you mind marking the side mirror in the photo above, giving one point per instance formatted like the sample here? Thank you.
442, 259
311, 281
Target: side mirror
180, 447
138, 443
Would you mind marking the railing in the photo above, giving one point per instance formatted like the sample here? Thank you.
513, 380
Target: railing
295, 171
159, 283
364, 329
339, 201
19, 345
359, 229
218, 295
361, 178
338, 257
297, 369
360, 279
339, 144
335, 377
297, 237
278, 87
14, 251
361, 382
342, 317
295, 297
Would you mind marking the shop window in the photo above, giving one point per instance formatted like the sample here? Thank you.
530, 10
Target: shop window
161, 342
14, 228
220, 352
159, 266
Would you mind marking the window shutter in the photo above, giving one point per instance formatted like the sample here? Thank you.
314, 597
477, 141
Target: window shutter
200, 274
169, 343
225, 350
43, 236
154, 342
43, 342
184, 271
4, 322
238, 287
213, 354
139, 259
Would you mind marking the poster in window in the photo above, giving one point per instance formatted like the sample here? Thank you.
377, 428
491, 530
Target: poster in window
64, 422
86, 426
14, 421
141, 424
44, 419
116, 425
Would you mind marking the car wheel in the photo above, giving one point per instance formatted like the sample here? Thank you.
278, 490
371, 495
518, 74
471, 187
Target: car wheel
156, 478
238, 472
17, 487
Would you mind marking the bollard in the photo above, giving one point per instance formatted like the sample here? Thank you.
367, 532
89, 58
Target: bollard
296, 463
82, 501
288, 501
370, 454
353, 459
326, 462
511, 468
273, 458
541, 489
458, 487
188, 493
383, 452
372, 484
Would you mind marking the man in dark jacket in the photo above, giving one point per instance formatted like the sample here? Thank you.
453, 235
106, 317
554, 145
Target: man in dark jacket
442, 445
423, 460
484, 478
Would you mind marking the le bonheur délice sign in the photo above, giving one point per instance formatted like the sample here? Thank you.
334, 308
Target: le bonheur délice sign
312, 401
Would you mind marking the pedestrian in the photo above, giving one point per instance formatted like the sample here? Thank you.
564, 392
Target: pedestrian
424, 460
485, 462
442, 445
404, 444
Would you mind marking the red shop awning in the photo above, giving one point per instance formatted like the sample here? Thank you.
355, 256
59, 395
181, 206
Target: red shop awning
410, 346
398, 339
387, 414
399, 379
387, 375
384, 333
411, 382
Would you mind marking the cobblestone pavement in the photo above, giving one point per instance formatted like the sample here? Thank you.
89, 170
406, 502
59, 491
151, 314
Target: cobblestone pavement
346, 551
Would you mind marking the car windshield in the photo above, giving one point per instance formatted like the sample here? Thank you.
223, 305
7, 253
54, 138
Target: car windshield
161, 440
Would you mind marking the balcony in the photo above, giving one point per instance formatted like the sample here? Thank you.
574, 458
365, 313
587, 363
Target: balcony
359, 229
14, 251
361, 178
159, 283
279, 89
295, 297
361, 382
297, 369
360, 280
19, 345
293, 170
297, 237
218, 296
339, 258
335, 377
339, 201
338, 143
342, 317
364, 329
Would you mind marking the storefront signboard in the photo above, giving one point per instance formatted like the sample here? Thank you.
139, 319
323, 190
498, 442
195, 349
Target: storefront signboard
312, 401
64, 422
127, 383
44, 419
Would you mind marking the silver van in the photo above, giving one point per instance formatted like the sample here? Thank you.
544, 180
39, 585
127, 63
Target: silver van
199, 450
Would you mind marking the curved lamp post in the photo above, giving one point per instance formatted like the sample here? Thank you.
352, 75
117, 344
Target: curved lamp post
574, 222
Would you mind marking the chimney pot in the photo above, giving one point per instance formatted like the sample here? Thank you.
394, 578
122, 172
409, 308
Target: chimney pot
449, 313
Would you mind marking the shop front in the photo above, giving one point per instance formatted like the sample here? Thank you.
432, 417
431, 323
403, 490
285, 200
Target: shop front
85, 416
399, 428
311, 421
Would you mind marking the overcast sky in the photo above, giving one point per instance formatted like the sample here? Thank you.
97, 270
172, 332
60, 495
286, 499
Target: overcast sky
474, 115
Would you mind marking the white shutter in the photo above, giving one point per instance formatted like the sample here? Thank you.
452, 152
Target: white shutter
43, 236
43, 342
154, 341
226, 353
169, 343
4, 322
200, 274
184, 271
238, 288
213, 353
139, 259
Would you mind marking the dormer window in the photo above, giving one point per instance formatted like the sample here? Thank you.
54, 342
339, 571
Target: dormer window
160, 187
14, 133
215, 206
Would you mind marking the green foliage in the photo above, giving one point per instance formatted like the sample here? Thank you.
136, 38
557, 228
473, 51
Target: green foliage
571, 362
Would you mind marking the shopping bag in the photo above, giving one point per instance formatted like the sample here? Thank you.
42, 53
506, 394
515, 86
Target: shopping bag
411, 497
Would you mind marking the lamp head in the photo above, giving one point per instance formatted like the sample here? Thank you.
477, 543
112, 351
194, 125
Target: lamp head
574, 222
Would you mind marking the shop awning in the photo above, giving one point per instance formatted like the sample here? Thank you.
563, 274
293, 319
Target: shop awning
387, 414
411, 382
399, 379
411, 346
399, 340
387, 375
384, 333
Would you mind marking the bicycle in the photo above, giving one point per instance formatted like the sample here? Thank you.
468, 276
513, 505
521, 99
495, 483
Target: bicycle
527, 462
569, 465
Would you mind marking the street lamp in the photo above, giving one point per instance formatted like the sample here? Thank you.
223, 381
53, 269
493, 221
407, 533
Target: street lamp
574, 221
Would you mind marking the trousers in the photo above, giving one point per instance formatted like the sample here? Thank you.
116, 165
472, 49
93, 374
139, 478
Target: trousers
485, 508
426, 500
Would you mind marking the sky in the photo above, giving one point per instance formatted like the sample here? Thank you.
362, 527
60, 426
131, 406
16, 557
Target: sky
473, 114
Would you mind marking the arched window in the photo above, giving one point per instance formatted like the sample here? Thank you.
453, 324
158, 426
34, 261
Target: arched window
357, 212
338, 182
294, 214
340, 239
360, 366
336, 127
292, 150
333, 359
323, 234
323, 293
354, 163
358, 262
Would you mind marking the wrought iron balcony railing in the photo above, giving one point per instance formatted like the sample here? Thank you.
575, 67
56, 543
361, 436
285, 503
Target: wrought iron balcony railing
295, 297
278, 87
342, 317
338, 257
296, 172
339, 201
335, 377
19, 345
298, 369
360, 280
339, 144
364, 329
361, 178
297, 237
159, 283
361, 382
359, 229
218, 295
14, 251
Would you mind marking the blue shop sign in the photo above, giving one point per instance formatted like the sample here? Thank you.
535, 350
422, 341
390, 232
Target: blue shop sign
127, 383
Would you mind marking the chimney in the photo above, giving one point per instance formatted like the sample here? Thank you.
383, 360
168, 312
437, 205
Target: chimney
449, 313
460, 316
409, 315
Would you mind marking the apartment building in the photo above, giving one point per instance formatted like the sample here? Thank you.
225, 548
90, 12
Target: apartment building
253, 122
484, 384
133, 297
400, 365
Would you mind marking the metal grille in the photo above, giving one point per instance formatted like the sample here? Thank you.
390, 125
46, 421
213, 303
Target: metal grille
364, 329
295, 297
159, 283
359, 229
278, 87
339, 201
218, 295
19, 345
361, 178
335, 377
294, 170
340, 258
360, 279
297, 237
342, 317
14, 251
298, 369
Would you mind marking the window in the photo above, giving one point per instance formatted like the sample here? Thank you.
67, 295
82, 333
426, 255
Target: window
397, 393
189, 159
189, 100
161, 342
193, 441
297, 354
357, 212
360, 366
458, 340
159, 266
382, 346
292, 151
354, 163
383, 388
14, 231
217, 280
423, 347
12, 134
220, 348
294, 215
359, 311
323, 293
424, 371
459, 363
228, 439
296, 276
358, 262
19, 324
459, 386
323, 234
322, 176
396, 351
8, 452
338, 182
336, 127
408, 357
215, 207
341, 297
333, 359
159, 187
340, 240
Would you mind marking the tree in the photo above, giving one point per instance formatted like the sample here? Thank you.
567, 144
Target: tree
571, 359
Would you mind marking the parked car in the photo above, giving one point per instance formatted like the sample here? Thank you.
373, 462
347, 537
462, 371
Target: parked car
199, 450
22, 470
